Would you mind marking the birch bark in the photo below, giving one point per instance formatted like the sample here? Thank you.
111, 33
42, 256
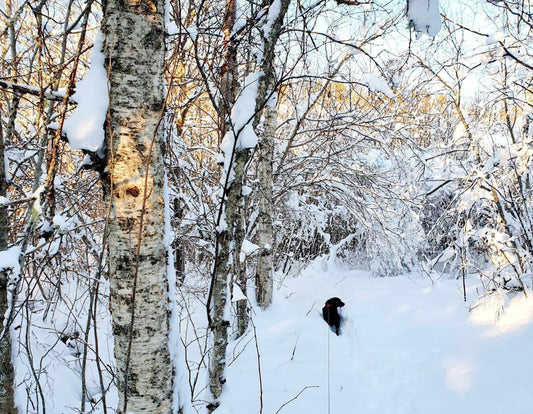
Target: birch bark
264, 268
267, 86
7, 401
221, 273
231, 234
7, 374
134, 180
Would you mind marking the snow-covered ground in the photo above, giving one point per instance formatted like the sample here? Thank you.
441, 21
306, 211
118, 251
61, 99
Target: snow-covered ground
407, 346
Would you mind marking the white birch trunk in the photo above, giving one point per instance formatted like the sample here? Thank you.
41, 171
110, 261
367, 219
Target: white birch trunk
7, 399
226, 261
264, 269
7, 374
134, 47
222, 270
228, 269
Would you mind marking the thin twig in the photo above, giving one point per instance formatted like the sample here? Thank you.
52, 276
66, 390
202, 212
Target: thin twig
258, 368
295, 397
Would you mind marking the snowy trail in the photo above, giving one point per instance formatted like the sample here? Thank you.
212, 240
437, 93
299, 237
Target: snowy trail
406, 347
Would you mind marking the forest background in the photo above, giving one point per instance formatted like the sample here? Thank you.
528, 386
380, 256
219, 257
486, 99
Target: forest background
387, 137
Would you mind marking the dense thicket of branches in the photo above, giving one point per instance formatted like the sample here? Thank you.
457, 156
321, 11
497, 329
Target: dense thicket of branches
390, 151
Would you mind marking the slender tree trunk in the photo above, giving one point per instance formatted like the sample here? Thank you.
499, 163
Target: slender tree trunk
221, 277
240, 279
228, 269
177, 246
226, 261
264, 238
267, 86
235, 212
7, 399
134, 46
7, 374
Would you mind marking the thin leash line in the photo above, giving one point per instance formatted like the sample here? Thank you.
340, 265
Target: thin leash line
329, 387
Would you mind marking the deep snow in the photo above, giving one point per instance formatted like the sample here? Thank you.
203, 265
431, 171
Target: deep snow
407, 346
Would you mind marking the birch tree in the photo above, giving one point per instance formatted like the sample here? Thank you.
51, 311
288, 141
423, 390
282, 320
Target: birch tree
135, 49
229, 270
265, 240
226, 217
266, 99
7, 404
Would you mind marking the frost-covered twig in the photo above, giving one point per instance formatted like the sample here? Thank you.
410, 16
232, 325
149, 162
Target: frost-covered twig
35, 91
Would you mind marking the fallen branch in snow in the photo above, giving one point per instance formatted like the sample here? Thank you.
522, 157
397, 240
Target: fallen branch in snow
295, 397
259, 372
294, 349
309, 311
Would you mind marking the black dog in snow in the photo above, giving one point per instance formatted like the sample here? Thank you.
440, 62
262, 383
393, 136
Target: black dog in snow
331, 314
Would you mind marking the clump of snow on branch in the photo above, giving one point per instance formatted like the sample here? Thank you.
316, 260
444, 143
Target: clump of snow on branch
237, 294
85, 126
241, 135
248, 248
63, 223
376, 84
9, 261
273, 13
424, 15
170, 24
241, 17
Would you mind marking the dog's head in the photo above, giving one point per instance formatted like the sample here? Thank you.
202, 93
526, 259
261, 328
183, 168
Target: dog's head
336, 302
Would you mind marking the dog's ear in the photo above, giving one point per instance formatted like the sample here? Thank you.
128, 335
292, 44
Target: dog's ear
335, 302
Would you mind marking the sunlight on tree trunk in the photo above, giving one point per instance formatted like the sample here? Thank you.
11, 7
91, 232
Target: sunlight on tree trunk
134, 46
